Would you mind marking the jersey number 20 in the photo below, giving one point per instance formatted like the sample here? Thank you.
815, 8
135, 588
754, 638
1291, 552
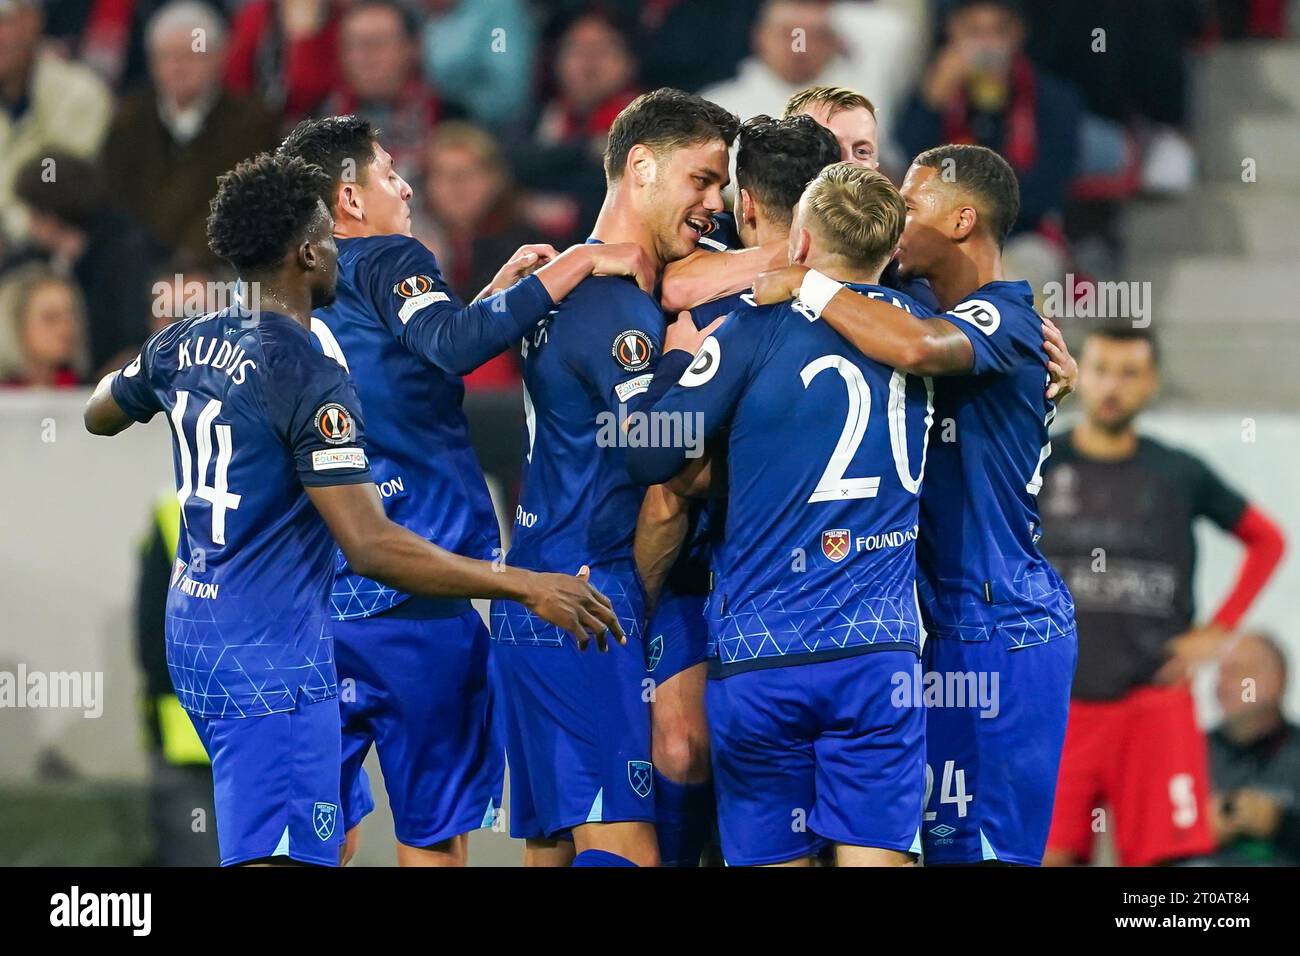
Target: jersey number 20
833, 486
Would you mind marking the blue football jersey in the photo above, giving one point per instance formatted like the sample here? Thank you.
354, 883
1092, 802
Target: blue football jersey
582, 364
980, 568
825, 454
692, 571
403, 336
256, 413
722, 235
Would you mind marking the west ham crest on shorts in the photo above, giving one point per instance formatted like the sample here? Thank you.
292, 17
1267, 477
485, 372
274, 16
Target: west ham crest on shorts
654, 652
640, 774
835, 544
323, 818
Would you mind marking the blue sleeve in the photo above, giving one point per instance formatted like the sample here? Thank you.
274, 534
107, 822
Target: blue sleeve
132, 386
407, 291
619, 344
1001, 332
703, 389
311, 403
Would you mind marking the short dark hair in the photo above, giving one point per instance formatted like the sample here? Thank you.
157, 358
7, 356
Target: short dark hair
61, 185
986, 177
777, 159
262, 208
1126, 333
664, 120
333, 143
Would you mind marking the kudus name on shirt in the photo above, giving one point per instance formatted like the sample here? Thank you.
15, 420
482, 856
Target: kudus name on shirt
218, 354
75, 908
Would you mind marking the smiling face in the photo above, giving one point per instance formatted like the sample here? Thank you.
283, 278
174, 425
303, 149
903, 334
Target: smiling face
855, 129
682, 190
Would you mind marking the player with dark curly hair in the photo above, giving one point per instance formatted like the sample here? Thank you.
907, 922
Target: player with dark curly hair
268, 441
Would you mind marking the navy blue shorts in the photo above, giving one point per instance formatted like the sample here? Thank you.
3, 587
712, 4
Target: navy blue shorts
418, 690
678, 635
577, 722
276, 783
816, 753
993, 748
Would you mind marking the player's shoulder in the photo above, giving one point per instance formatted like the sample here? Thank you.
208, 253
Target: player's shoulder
609, 299
380, 248
288, 350
998, 305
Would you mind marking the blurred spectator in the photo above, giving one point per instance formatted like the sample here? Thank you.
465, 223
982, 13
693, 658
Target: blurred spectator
595, 77
1140, 82
45, 104
1255, 759
106, 251
668, 39
982, 88
106, 35
50, 332
284, 51
479, 54
379, 61
170, 142
469, 216
870, 47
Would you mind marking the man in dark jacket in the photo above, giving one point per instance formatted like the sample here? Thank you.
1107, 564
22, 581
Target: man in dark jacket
1255, 759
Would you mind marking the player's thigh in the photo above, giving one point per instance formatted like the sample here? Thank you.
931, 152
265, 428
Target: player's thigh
1160, 793
764, 770
452, 852
870, 752
276, 784
679, 727
549, 852
633, 840
847, 855
442, 761
577, 730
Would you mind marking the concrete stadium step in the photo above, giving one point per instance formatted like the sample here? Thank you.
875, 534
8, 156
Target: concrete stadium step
1234, 219
1248, 106
1214, 289
1246, 367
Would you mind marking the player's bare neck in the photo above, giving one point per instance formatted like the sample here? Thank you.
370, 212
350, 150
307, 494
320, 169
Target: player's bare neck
1103, 444
619, 222
970, 266
275, 295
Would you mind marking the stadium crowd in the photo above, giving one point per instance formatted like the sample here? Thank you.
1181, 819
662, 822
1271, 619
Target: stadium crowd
118, 115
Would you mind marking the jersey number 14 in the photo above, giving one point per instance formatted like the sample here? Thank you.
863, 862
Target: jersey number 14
194, 475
